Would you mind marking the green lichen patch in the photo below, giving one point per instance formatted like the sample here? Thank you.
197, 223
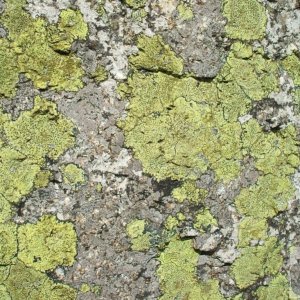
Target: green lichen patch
26, 142
135, 4
189, 191
174, 135
246, 19
155, 55
275, 153
17, 174
26, 283
252, 229
292, 65
139, 239
73, 175
5, 210
251, 72
204, 220
180, 127
278, 288
8, 243
4, 294
31, 48
100, 74
41, 132
256, 262
177, 275
185, 12
266, 198
42, 179
9, 69
70, 27
47, 244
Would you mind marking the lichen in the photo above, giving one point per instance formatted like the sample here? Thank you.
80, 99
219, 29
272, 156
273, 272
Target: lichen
70, 27
41, 132
73, 175
292, 65
252, 229
205, 220
268, 197
139, 239
185, 12
100, 74
26, 283
47, 244
278, 288
135, 4
257, 262
155, 55
189, 191
31, 48
8, 243
177, 275
35, 135
246, 19
197, 121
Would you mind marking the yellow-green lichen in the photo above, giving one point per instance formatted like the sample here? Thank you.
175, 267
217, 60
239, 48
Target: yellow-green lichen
177, 274
73, 175
189, 191
256, 262
266, 198
135, 4
246, 19
41, 132
5, 210
47, 244
278, 288
4, 294
252, 229
292, 65
171, 223
155, 55
31, 48
42, 179
100, 74
140, 241
8, 243
26, 283
70, 27
180, 127
205, 220
185, 12
36, 134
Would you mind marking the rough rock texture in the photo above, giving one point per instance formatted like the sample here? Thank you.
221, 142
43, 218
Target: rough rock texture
149, 149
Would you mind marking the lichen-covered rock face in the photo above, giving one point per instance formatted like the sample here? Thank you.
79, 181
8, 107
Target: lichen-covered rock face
246, 19
47, 244
164, 164
33, 49
177, 274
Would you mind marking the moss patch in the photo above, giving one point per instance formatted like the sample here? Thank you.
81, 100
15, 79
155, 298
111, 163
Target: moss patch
47, 244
